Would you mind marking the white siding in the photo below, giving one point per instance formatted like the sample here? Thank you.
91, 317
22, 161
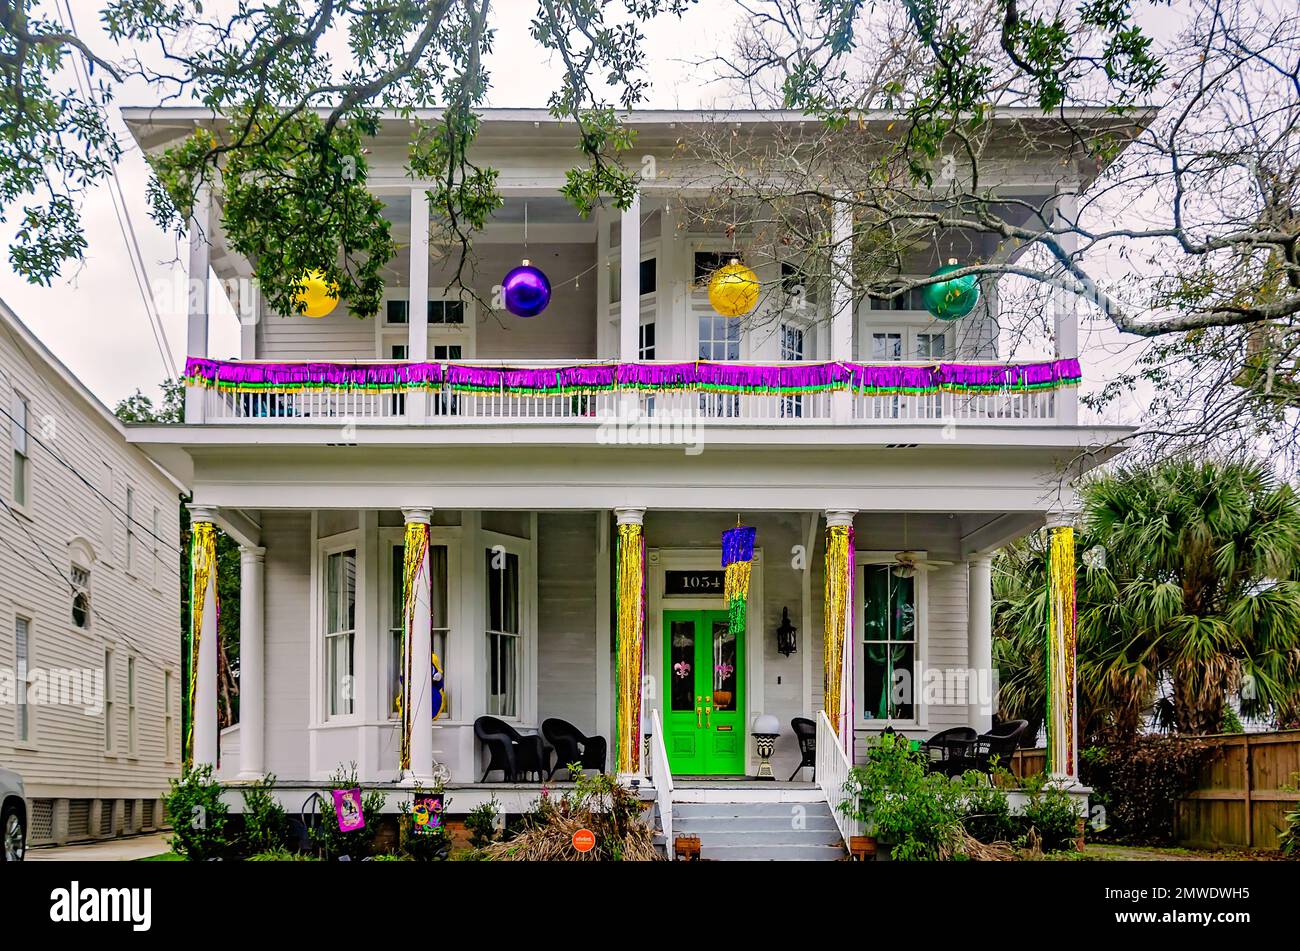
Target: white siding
136, 612
566, 619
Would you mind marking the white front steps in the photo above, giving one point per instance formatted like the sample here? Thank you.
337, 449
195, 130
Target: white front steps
757, 822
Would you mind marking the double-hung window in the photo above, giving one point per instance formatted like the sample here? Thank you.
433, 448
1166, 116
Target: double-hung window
440, 628
21, 489
22, 660
504, 632
340, 631
890, 635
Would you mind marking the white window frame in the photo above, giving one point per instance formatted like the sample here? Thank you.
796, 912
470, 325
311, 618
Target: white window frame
921, 718
110, 734
909, 324
325, 547
465, 335
169, 722
132, 718
391, 539
526, 661
20, 459
129, 563
24, 712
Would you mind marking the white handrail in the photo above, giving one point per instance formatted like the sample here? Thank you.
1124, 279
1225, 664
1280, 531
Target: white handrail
662, 777
832, 773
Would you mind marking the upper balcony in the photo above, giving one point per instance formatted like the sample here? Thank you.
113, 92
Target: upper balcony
791, 393
629, 333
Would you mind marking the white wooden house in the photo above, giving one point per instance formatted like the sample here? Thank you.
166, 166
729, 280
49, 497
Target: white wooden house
525, 491
90, 665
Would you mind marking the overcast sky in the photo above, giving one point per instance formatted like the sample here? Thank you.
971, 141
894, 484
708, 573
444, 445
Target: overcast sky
93, 317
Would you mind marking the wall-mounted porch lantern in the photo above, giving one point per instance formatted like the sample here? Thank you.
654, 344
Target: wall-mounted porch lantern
785, 644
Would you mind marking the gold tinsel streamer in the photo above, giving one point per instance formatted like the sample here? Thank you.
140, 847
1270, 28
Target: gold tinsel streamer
416, 547
836, 610
1060, 651
630, 590
203, 568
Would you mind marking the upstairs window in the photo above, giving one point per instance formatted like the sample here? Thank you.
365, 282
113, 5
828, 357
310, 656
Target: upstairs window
81, 597
22, 464
441, 312
706, 262
719, 337
646, 341
913, 300
503, 632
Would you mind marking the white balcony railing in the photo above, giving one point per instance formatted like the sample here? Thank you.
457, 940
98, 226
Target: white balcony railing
832, 773
444, 402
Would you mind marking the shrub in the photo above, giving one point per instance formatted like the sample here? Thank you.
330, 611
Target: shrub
198, 816
916, 812
265, 825
611, 811
1138, 784
482, 823
1053, 814
431, 846
987, 813
327, 838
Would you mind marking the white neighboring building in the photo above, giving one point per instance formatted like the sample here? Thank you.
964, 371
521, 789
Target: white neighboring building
89, 605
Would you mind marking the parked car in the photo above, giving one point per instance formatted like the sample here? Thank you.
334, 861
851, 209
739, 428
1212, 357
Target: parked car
13, 817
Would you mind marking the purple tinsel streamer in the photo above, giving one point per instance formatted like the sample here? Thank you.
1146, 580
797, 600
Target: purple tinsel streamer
571, 379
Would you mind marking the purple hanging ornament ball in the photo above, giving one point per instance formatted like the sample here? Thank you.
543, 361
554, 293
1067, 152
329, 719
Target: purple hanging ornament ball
526, 290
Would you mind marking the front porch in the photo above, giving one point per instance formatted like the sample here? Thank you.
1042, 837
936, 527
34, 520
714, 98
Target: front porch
522, 620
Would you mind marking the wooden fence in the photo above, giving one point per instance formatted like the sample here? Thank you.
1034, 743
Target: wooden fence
1239, 801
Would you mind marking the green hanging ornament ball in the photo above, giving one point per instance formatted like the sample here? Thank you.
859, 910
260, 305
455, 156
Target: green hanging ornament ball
951, 300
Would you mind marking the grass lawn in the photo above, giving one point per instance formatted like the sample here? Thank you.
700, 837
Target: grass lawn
164, 857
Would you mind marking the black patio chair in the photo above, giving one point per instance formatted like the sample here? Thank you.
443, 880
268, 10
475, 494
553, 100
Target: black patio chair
573, 746
805, 731
1000, 744
951, 751
516, 755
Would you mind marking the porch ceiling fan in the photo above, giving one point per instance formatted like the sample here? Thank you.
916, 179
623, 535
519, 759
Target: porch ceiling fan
909, 562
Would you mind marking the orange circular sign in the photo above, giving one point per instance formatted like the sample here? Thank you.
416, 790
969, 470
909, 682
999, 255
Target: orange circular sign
584, 840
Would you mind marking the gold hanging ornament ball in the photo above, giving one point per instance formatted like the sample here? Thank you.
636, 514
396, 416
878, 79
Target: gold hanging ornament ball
316, 296
733, 289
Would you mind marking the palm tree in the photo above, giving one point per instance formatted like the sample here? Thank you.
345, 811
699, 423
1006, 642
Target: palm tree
1187, 575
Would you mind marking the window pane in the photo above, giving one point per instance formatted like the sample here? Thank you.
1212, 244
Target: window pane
889, 648
438, 573
494, 574
435, 311
725, 667
339, 650
395, 312
682, 637
22, 634
511, 595
454, 311
887, 346
648, 276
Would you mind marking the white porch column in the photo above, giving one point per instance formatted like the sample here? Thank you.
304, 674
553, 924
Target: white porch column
252, 665
979, 599
629, 305
1062, 681
841, 331
417, 307
629, 680
421, 641
204, 715
196, 337
1065, 307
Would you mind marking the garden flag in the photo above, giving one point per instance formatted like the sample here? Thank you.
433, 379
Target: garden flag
737, 556
347, 807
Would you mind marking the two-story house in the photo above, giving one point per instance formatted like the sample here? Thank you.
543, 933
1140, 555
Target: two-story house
558, 486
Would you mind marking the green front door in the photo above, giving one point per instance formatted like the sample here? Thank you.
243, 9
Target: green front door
704, 716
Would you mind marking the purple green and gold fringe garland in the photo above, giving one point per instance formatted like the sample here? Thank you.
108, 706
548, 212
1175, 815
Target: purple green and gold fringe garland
203, 568
737, 556
414, 554
230, 376
837, 644
1061, 623
629, 644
